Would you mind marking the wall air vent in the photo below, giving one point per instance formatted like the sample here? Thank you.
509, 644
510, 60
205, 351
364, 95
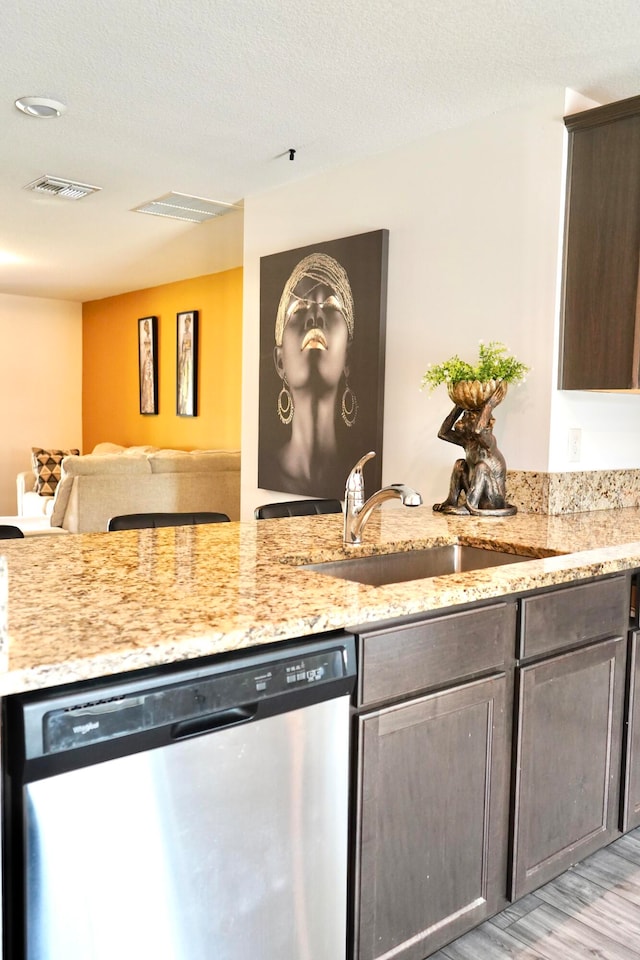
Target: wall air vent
180, 206
58, 187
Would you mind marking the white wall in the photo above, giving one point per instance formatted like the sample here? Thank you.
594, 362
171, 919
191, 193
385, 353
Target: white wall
608, 424
40, 383
474, 218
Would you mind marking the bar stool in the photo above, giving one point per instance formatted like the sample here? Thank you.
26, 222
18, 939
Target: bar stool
297, 508
9, 532
140, 521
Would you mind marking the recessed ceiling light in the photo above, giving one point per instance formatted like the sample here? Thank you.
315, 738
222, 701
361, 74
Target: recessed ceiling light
41, 107
182, 206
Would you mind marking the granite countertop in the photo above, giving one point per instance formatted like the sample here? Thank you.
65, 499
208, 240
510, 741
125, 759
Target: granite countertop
90, 605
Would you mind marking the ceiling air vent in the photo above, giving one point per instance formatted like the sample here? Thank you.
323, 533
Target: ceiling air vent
180, 206
58, 187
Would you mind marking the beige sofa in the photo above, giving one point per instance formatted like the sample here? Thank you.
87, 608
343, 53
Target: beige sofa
113, 480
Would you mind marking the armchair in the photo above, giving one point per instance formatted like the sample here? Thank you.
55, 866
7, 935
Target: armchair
30, 503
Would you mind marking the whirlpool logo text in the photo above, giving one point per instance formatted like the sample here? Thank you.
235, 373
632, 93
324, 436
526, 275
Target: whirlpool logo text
86, 727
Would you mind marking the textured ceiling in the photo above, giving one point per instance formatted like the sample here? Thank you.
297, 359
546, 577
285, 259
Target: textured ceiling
205, 97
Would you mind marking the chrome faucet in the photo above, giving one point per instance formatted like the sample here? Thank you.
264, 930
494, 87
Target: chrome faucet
357, 510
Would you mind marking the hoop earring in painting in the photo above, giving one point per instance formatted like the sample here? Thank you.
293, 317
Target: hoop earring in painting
349, 405
285, 403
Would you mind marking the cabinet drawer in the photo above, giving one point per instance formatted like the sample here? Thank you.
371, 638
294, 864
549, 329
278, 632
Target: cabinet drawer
403, 660
564, 617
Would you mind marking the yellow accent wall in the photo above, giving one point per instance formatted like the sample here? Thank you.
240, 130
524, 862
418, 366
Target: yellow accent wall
110, 388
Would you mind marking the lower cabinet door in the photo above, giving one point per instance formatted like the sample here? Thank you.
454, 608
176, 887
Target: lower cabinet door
631, 803
431, 858
567, 784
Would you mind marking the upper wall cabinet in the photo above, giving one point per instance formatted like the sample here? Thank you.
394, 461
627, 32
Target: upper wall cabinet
601, 310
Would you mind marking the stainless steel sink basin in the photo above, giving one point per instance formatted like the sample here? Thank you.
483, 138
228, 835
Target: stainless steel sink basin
384, 568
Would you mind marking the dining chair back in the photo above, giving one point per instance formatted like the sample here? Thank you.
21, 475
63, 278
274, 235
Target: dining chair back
140, 521
9, 532
297, 508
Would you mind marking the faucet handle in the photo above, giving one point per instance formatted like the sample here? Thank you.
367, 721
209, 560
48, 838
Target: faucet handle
361, 462
355, 480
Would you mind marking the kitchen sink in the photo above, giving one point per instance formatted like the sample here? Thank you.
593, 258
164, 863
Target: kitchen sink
384, 568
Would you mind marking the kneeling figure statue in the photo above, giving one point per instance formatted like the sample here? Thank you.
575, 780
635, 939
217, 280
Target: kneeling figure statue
478, 481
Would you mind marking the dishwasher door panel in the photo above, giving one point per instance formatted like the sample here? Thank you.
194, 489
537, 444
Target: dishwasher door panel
225, 846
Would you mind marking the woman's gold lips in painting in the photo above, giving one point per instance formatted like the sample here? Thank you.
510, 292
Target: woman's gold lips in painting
314, 340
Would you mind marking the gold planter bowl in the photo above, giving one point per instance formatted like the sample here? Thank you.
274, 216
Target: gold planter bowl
471, 394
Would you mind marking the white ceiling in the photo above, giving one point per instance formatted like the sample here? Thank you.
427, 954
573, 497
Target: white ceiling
205, 97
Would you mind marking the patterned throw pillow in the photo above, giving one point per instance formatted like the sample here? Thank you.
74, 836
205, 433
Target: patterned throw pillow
46, 466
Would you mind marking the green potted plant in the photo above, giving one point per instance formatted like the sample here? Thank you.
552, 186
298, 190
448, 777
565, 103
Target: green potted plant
471, 385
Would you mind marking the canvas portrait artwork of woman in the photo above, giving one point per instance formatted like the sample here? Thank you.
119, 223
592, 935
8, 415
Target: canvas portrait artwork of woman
323, 424
147, 339
187, 331
313, 334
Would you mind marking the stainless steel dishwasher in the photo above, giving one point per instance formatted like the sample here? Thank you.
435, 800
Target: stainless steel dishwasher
196, 814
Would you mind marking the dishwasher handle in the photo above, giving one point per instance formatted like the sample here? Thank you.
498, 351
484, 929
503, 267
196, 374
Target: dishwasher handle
213, 721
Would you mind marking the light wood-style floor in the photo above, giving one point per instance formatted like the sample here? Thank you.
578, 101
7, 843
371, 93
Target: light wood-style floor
591, 912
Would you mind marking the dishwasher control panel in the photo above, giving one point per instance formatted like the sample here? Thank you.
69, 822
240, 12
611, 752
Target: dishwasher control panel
54, 725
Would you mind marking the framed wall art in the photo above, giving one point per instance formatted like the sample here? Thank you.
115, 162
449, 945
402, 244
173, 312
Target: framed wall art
322, 351
148, 364
187, 364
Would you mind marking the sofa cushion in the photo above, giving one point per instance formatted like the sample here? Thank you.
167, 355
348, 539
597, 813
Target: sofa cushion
194, 461
47, 468
101, 449
113, 463
134, 451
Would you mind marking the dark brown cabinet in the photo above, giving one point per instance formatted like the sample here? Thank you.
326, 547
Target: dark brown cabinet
489, 749
601, 310
631, 784
433, 829
570, 703
569, 736
433, 782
